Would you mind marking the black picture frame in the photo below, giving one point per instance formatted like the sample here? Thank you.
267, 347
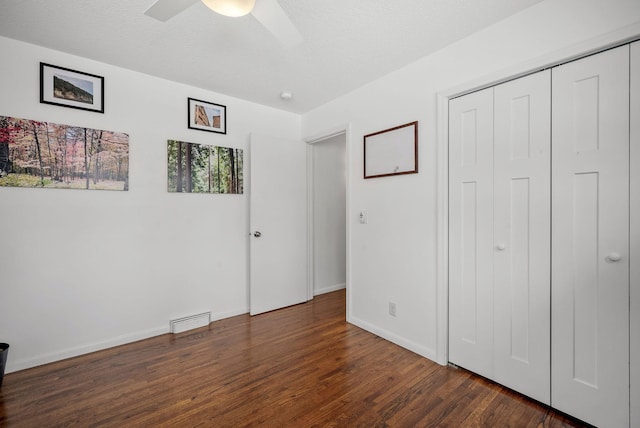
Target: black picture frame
66, 87
207, 116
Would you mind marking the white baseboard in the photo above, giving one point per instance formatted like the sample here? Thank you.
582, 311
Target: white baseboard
26, 363
216, 316
329, 289
13, 366
394, 338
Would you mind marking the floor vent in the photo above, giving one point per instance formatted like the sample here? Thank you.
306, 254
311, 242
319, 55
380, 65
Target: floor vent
190, 322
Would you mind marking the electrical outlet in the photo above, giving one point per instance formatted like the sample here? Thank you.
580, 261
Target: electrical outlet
392, 309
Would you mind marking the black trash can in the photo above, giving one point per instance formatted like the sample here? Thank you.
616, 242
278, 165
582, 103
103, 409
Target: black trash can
4, 350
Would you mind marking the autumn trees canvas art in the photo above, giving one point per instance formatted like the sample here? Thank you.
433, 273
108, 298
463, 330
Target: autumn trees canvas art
199, 168
42, 154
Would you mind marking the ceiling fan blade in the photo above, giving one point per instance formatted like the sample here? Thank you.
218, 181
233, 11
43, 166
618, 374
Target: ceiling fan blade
163, 10
272, 17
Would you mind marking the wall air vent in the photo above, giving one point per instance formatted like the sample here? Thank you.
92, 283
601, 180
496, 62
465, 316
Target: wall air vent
188, 323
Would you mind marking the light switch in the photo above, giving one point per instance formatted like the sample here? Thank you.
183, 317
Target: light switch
363, 217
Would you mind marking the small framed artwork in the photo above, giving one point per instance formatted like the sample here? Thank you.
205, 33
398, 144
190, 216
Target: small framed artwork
207, 116
392, 151
70, 88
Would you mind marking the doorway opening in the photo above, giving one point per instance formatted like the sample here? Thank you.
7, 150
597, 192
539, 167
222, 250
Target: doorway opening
327, 207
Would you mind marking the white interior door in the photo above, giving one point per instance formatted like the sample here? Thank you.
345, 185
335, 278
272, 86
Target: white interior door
590, 238
470, 232
635, 235
500, 223
522, 242
278, 222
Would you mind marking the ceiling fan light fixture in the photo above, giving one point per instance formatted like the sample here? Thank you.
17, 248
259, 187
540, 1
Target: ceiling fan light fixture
232, 8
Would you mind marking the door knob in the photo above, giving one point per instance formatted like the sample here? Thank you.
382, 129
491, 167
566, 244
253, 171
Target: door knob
614, 257
501, 247
257, 234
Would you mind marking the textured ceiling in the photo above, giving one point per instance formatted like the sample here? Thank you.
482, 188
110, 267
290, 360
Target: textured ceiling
347, 43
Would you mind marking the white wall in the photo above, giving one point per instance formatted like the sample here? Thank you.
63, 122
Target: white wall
329, 214
84, 270
395, 256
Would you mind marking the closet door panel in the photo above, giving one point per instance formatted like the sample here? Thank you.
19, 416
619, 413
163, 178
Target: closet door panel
470, 236
635, 234
522, 227
590, 238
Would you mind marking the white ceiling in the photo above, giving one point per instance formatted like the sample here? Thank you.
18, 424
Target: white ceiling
347, 43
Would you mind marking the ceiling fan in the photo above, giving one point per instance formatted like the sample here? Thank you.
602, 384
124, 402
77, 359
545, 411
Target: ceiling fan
267, 12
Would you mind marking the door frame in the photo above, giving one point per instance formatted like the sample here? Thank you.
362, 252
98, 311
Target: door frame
609, 40
310, 141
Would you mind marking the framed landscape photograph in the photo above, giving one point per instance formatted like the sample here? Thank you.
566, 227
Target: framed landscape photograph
70, 88
207, 116
200, 168
57, 156
392, 151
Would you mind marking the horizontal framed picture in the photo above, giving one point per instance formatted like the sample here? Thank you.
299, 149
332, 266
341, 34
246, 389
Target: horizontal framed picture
70, 88
57, 156
207, 116
392, 151
200, 168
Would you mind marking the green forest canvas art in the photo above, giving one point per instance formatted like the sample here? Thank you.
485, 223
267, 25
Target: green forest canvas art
50, 155
200, 168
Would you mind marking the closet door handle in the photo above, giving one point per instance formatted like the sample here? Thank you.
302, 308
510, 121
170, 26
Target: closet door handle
614, 257
501, 247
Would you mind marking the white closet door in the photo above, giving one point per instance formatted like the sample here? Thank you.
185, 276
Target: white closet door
590, 238
635, 234
470, 231
522, 228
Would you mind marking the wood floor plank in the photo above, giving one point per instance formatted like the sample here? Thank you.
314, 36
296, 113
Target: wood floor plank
302, 366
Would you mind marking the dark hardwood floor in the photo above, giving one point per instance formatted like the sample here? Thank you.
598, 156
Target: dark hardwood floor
302, 366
